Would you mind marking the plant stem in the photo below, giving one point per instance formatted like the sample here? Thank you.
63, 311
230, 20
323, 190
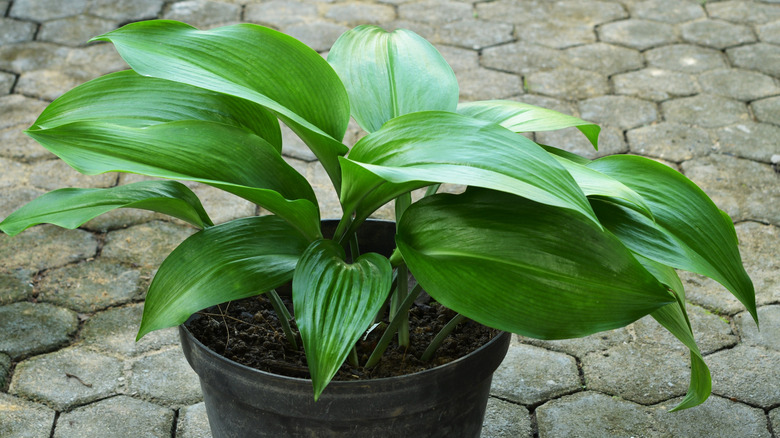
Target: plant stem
431, 190
387, 336
443, 333
353, 357
284, 318
400, 294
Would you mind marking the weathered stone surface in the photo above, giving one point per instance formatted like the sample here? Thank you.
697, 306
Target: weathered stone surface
758, 245
484, 84
755, 141
710, 331
558, 34
767, 110
685, 58
23, 419
522, 58
606, 59
458, 58
738, 84
90, 286
125, 10
67, 378
146, 244
48, 84
46, 247
568, 83
761, 57
572, 140
530, 375
716, 33
638, 34
5, 369
715, 417
644, 373
353, 13
590, 414
743, 12
505, 420
17, 110
7, 81
14, 173
15, 285
110, 419
667, 11
757, 380
15, 197
280, 13
579, 347
774, 418
739, 187
76, 30
769, 33
475, 34
769, 336
165, 378
115, 329
705, 110
319, 35
655, 84
45, 10
619, 111
193, 422
15, 144
204, 14
588, 12
222, 206
670, 141
15, 31
56, 174
436, 11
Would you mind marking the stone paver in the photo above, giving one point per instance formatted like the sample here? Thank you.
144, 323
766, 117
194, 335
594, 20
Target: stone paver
110, 418
30, 329
67, 378
693, 84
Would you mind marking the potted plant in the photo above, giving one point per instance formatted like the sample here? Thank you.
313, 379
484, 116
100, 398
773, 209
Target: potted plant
543, 243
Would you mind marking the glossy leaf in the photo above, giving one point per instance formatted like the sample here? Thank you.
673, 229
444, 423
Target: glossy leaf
251, 62
335, 302
223, 156
70, 208
418, 149
229, 261
698, 237
389, 74
128, 99
524, 267
521, 117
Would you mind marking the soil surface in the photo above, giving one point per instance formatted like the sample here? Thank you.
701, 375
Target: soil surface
248, 332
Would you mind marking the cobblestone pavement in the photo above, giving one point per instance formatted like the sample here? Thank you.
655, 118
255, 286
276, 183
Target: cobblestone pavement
694, 84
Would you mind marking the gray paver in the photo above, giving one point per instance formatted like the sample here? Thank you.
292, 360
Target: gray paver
738, 84
769, 335
484, 84
65, 176
638, 34
45, 247
16, 31
697, 110
114, 331
670, 141
76, 30
145, 244
319, 35
67, 378
222, 206
17, 110
5, 369
203, 14
476, 34
570, 139
761, 57
110, 418
685, 58
193, 422
740, 189
655, 84
125, 10
579, 347
44, 10
717, 417
757, 244
30, 329
23, 419
15, 285
91, 286
530, 375
436, 11
522, 58
769, 33
667, 11
568, 83
743, 12
558, 34
279, 13
620, 111
758, 380
7, 81
710, 331
774, 418
767, 110
165, 378
15, 144
505, 420
354, 13
755, 141
716, 33
604, 58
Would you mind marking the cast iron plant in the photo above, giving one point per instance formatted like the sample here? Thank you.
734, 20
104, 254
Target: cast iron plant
543, 243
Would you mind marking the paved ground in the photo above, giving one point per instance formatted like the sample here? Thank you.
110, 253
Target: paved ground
691, 83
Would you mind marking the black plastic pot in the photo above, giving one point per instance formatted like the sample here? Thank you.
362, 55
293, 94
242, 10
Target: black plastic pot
446, 401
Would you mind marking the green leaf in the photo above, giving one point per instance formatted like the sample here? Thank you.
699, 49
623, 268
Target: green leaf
418, 149
699, 237
521, 117
128, 99
229, 261
335, 303
223, 156
524, 267
250, 62
675, 319
70, 208
389, 74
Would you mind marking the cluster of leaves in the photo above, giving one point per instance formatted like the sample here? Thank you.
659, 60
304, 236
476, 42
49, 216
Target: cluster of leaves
543, 243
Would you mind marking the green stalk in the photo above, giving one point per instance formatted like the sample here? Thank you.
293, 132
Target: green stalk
432, 189
387, 336
400, 294
441, 336
284, 318
353, 358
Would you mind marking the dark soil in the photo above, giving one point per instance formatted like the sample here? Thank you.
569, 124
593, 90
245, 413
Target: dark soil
248, 332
